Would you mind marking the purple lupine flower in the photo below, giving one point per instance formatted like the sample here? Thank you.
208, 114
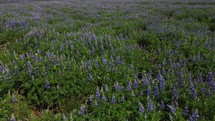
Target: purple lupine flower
136, 84
117, 87
129, 88
189, 78
193, 91
38, 52
8, 76
113, 100
170, 61
111, 58
30, 67
145, 81
161, 81
148, 91
164, 62
62, 48
208, 93
150, 106
90, 78
47, 85
122, 98
81, 111
16, 70
14, 99
1, 78
163, 71
118, 60
199, 78
156, 91
12, 117
141, 108
115, 70
98, 92
175, 93
96, 64
162, 105
172, 108
185, 111
89, 64
104, 61
1, 68
106, 88
141, 93
132, 67
132, 93
104, 98
194, 116
209, 77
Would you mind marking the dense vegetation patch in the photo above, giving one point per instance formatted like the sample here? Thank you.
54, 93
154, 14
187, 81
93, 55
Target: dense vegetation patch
107, 60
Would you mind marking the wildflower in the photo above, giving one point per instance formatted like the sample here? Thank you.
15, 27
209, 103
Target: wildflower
16, 70
115, 70
132, 93
162, 105
161, 81
106, 88
118, 60
104, 61
175, 93
164, 62
122, 98
150, 106
81, 111
30, 67
163, 71
117, 87
129, 88
141, 93
185, 111
14, 99
136, 84
97, 92
1, 78
96, 64
156, 91
193, 91
12, 117
90, 78
47, 85
145, 81
104, 98
170, 61
141, 108
194, 116
148, 91
209, 77
172, 108
113, 101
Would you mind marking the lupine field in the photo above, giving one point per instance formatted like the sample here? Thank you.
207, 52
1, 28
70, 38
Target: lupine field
107, 60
